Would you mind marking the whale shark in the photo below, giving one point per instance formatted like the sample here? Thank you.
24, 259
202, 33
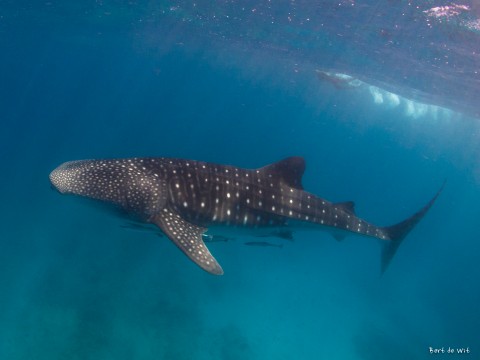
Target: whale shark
187, 198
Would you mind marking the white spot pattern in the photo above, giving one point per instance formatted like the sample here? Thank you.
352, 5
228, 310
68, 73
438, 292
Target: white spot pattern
202, 193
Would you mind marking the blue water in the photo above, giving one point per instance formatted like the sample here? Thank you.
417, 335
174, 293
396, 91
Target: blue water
120, 79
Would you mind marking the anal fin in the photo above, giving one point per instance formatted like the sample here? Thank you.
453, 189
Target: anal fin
339, 237
188, 237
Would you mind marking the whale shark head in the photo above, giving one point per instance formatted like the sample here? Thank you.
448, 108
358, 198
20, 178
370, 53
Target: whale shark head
126, 183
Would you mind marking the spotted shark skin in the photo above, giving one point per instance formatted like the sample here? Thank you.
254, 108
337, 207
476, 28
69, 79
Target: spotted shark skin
184, 198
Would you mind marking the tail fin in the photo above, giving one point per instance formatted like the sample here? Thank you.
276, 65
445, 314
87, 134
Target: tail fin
396, 233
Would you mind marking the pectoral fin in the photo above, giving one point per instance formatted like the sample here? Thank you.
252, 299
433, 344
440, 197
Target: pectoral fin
188, 237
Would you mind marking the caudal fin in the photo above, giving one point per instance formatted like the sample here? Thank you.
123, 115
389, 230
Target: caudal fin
396, 233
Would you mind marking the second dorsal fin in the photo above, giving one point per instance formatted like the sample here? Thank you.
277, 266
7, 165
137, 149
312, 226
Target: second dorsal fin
348, 206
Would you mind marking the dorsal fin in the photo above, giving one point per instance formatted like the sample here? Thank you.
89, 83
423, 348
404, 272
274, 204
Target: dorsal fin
348, 206
290, 170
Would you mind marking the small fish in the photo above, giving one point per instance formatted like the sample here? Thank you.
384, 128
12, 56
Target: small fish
216, 238
140, 228
282, 234
137, 227
262, 243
